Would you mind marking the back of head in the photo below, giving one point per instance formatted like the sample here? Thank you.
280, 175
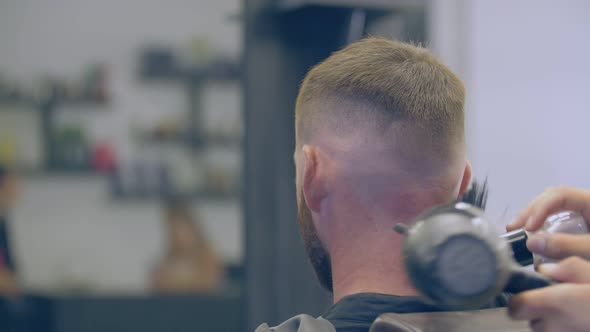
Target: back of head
401, 81
389, 97
386, 120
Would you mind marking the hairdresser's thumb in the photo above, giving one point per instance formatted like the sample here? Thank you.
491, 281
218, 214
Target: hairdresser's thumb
559, 245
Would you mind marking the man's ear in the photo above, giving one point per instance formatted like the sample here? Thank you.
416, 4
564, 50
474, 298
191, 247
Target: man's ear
466, 180
314, 177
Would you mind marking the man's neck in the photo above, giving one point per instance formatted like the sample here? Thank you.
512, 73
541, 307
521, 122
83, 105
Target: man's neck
377, 268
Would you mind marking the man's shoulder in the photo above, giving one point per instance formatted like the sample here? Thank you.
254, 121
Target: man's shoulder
300, 323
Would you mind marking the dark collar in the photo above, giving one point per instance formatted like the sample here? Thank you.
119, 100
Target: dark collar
357, 312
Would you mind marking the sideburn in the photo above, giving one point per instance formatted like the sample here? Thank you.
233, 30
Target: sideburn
316, 252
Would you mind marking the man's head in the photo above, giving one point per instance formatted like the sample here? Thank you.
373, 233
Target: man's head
379, 138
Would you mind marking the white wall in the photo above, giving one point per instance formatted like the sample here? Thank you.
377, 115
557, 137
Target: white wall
527, 72
65, 226
67, 230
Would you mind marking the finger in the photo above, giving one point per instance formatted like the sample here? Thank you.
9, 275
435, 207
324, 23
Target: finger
523, 217
530, 305
559, 245
558, 199
552, 200
573, 269
517, 223
562, 307
542, 302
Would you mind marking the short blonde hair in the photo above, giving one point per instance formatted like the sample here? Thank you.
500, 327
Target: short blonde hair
396, 80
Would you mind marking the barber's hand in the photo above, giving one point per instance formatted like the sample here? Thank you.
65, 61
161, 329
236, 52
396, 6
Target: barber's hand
558, 245
552, 200
562, 307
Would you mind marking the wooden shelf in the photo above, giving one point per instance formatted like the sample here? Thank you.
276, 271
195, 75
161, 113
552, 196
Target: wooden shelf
44, 172
207, 141
28, 104
82, 102
217, 71
34, 105
202, 195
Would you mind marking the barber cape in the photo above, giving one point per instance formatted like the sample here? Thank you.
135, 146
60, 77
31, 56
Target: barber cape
388, 313
300, 323
486, 320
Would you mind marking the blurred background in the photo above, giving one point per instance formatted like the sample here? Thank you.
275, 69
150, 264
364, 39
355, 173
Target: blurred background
146, 176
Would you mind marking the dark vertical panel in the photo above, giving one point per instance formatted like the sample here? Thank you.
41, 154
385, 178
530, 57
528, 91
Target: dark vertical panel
261, 72
279, 50
308, 36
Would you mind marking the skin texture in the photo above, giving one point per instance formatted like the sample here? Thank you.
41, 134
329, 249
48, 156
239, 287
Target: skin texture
563, 307
351, 193
379, 138
552, 200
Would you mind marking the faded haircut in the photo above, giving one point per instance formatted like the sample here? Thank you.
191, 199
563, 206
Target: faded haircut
395, 82
383, 91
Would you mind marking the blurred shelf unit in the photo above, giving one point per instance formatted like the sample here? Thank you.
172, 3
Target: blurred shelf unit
8, 103
90, 88
141, 182
63, 149
385, 5
195, 142
213, 181
68, 148
161, 64
134, 197
31, 104
179, 163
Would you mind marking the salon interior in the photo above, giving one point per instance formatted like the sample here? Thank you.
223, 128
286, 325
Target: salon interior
146, 147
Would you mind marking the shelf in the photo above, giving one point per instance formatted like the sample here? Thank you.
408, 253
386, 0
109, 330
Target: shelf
132, 185
29, 104
81, 169
82, 102
386, 5
158, 197
214, 72
34, 105
221, 70
38, 173
208, 141
220, 141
